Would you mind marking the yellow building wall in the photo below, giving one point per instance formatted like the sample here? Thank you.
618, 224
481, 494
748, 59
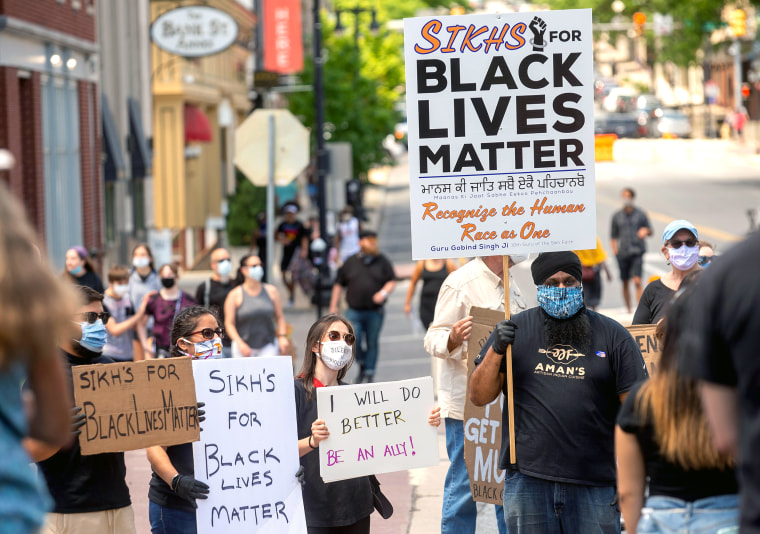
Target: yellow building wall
187, 191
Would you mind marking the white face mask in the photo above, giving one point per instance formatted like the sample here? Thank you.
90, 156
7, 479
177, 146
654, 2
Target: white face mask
336, 354
684, 258
120, 289
141, 262
256, 272
211, 349
224, 267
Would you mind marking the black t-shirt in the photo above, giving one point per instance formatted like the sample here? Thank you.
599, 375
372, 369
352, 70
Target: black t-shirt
655, 301
566, 402
721, 340
363, 276
159, 491
89, 279
85, 483
332, 504
666, 478
294, 233
217, 293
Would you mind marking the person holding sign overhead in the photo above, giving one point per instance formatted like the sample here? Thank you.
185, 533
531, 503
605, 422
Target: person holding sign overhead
173, 486
343, 506
477, 283
572, 369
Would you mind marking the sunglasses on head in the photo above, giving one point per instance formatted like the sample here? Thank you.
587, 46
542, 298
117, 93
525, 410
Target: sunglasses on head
208, 333
91, 317
675, 243
704, 260
334, 335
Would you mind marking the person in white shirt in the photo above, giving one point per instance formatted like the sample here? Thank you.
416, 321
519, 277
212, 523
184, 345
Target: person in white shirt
477, 283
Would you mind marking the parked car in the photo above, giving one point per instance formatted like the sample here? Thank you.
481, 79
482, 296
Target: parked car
650, 109
674, 123
620, 124
620, 100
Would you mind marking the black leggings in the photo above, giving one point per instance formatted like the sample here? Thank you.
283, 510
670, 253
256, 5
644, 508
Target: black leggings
360, 527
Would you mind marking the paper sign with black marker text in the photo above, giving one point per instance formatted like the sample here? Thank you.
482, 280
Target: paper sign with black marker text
377, 428
644, 336
500, 115
248, 453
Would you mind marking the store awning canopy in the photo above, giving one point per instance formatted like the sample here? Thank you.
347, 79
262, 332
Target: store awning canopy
197, 125
113, 163
141, 157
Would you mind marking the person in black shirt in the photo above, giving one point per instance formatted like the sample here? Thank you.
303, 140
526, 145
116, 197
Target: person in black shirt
213, 292
80, 271
295, 239
630, 226
90, 492
720, 349
369, 278
662, 436
572, 369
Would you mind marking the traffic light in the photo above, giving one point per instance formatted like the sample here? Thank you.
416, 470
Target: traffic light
737, 22
639, 19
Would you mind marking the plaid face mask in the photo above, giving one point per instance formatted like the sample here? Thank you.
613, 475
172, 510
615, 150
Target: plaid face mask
560, 302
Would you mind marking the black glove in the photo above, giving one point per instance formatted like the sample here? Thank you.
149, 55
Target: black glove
300, 477
504, 335
201, 413
77, 420
190, 489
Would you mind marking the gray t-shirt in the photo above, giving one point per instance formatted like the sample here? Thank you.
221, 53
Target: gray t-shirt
119, 347
625, 227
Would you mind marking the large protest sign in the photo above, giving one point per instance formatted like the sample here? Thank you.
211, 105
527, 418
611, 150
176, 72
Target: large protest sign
644, 335
248, 453
133, 405
501, 133
377, 428
482, 424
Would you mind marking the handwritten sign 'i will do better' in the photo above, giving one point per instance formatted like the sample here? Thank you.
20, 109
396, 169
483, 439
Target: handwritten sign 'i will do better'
376, 428
500, 112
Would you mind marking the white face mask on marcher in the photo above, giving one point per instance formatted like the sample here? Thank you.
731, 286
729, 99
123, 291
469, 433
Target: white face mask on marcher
336, 354
684, 258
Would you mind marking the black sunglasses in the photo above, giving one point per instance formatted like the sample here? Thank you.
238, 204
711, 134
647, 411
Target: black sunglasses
704, 260
208, 333
334, 335
91, 317
675, 243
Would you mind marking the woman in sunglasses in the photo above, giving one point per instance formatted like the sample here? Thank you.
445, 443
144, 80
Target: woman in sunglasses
343, 506
253, 314
680, 246
173, 487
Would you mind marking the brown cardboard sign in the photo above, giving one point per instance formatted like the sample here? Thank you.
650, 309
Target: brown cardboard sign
643, 335
482, 424
133, 405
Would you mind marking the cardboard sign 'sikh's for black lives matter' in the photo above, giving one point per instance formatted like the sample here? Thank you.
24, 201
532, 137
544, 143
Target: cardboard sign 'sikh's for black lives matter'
437, 75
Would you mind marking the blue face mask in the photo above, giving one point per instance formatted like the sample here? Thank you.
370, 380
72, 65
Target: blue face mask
76, 270
93, 336
560, 302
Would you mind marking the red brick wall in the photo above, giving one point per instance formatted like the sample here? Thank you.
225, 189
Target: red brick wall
54, 15
92, 188
9, 116
33, 165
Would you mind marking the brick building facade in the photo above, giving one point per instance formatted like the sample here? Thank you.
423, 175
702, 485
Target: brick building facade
50, 119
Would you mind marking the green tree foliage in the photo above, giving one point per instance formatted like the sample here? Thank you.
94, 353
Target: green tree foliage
247, 201
363, 80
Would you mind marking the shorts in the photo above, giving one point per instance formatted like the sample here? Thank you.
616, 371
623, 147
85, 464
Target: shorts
115, 521
630, 266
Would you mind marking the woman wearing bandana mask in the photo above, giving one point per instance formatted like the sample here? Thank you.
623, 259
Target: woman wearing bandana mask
346, 505
196, 332
680, 246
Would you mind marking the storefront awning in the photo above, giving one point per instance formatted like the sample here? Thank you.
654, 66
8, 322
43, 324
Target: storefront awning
140, 155
197, 125
113, 164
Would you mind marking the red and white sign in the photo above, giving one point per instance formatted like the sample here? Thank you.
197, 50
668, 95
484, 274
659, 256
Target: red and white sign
283, 41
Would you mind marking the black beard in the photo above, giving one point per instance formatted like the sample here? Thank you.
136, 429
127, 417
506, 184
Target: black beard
87, 354
574, 331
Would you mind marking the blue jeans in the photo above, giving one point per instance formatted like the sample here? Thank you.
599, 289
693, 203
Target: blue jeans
719, 514
367, 325
165, 520
537, 506
459, 512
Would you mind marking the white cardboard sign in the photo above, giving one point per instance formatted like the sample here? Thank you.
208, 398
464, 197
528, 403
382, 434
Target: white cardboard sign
248, 452
500, 114
377, 428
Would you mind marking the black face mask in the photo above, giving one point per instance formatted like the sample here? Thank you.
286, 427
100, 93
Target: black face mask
168, 283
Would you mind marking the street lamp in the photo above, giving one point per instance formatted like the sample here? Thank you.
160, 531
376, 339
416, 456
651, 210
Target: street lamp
319, 126
374, 27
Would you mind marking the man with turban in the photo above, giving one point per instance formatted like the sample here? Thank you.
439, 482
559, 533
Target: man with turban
572, 368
